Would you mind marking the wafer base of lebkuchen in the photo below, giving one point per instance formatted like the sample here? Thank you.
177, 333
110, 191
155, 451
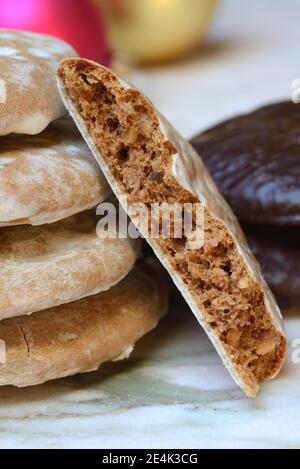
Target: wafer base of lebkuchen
80, 336
137, 150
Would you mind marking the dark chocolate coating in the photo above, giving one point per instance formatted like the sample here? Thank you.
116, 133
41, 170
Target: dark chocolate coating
255, 161
278, 252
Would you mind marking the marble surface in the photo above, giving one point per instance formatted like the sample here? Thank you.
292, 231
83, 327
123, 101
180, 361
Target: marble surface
174, 391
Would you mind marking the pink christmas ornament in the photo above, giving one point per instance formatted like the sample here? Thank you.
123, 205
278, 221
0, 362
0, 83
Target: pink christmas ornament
76, 21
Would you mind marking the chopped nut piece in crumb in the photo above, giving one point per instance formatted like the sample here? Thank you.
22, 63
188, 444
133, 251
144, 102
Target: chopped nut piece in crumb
233, 337
265, 343
130, 135
243, 283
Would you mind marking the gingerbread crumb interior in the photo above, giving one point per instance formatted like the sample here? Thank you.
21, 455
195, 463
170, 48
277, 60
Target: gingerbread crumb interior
126, 130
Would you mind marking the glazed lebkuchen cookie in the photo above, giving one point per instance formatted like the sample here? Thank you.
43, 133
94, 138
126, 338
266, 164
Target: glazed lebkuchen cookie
145, 159
49, 265
47, 177
78, 337
29, 99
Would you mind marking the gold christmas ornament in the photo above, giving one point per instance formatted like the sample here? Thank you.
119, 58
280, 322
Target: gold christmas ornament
156, 30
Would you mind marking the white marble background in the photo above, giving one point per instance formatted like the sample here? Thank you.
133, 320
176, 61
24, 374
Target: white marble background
174, 391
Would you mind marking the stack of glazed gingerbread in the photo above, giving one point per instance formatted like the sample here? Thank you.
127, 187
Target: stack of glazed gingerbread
255, 159
69, 300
